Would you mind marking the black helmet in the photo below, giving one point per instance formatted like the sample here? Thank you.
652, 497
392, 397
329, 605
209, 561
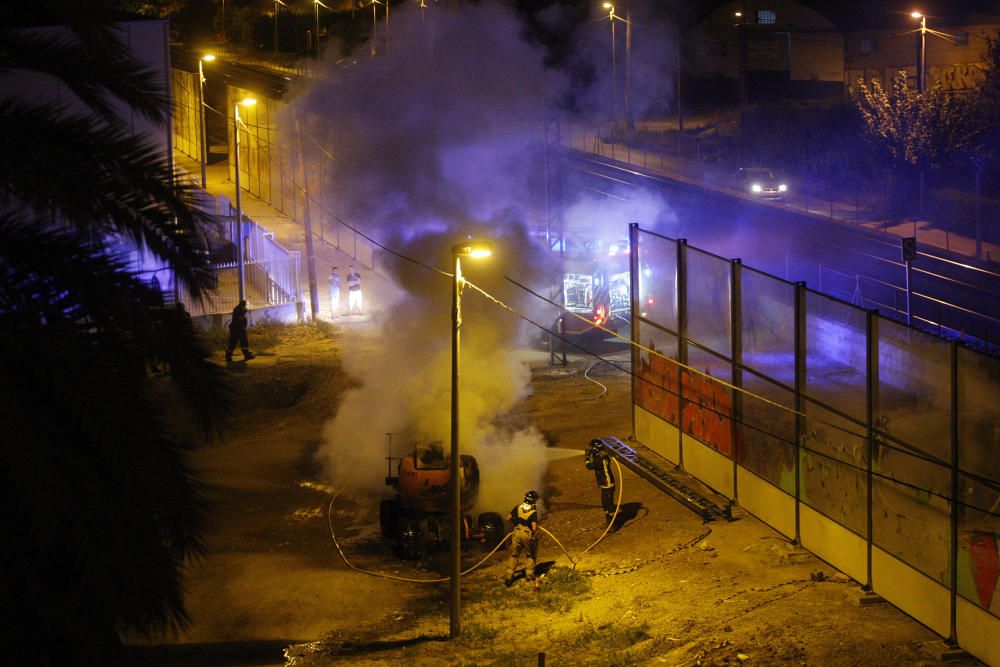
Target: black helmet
531, 497
596, 444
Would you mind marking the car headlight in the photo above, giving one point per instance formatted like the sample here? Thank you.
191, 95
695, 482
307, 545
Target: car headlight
782, 188
756, 187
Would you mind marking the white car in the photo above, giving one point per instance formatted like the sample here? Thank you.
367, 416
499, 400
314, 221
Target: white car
762, 182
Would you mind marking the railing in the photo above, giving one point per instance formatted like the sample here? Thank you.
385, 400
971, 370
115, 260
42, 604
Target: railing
272, 273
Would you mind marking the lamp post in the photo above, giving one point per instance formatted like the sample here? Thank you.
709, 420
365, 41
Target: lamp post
921, 51
744, 97
201, 110
277, 3
473, 249
374, 28
316, 5
241, 261
614, 65
921, 76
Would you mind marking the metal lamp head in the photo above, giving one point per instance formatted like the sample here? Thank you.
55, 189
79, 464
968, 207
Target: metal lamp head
473, 249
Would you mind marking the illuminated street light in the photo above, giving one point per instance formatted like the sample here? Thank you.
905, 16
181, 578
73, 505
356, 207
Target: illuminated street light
207, 58
921, 51
277, 3
614, 64
316, 6
473, 249
241, 261
375, 26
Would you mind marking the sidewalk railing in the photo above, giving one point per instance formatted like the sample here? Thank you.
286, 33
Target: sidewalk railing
273, 273
859, 202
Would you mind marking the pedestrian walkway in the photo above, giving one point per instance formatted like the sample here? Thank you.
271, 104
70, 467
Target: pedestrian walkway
377, 289
656, 159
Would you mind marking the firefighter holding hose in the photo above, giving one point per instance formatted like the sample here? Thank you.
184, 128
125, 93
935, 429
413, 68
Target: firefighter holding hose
524, 539
599, 461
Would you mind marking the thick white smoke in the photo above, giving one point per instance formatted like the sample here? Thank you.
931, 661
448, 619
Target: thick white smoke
434, 143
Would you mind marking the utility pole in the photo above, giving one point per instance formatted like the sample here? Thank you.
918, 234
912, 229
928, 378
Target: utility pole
629, 119
307, 226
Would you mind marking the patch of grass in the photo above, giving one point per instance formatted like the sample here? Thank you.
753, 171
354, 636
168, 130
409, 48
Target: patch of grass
264, 334
561, 589
478, 633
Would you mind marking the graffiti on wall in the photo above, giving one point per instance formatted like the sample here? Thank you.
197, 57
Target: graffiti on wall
956, 78
960, 77
707, 405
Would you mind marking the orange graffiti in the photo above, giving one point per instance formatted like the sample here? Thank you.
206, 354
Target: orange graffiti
707, 405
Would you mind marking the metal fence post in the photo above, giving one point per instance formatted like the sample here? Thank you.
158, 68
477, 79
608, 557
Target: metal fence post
800, 381
736, 340
871, 389
955, 517
681, 343
633, 259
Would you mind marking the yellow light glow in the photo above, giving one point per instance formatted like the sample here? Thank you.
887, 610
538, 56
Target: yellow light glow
208, 57
248, 101
738, 14
475, 249
916, 15
608, 5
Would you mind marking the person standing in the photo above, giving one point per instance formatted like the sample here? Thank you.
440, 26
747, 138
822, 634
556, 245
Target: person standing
599, 461
334, 291
524, 539
353, 290
238, 333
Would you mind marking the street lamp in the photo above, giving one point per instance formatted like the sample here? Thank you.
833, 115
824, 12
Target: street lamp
276, 4
474, 249
375, 27
241, 261
614, 64
921, 51
316, 6
201, 110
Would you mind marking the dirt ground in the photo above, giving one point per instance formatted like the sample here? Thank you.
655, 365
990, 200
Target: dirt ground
662, 588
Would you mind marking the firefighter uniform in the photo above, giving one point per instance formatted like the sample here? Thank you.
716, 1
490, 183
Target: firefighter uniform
599, 461
524, 540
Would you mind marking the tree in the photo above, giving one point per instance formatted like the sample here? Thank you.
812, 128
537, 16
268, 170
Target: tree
98, 509
917, 133
930, 129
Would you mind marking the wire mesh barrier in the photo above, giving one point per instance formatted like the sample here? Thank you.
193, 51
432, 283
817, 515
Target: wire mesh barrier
871, 443
272, 273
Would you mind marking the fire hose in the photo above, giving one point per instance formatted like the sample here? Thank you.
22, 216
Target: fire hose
575, 561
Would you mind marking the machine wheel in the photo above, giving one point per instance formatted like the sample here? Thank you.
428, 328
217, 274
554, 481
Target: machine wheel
388, 518
412, 541
492, 528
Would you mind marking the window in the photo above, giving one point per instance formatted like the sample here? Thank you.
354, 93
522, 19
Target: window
766, 17
867, 45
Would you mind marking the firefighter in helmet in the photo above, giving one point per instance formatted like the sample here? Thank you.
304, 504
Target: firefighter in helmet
599, 461
524, 539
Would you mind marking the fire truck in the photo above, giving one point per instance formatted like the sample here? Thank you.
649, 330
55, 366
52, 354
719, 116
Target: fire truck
599, 290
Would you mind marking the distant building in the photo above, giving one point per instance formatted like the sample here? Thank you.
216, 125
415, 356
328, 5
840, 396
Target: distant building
791, 51
955, 56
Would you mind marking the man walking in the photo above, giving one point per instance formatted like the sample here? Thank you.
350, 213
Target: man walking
353, 290
524, 540
599, 461
238, 333
334, 291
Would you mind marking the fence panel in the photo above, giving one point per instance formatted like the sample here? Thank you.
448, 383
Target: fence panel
657, 280
767, 326
708, 301
766, 432
836, 355
979, 443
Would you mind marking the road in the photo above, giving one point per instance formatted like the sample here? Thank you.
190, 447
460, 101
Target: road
849, 262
